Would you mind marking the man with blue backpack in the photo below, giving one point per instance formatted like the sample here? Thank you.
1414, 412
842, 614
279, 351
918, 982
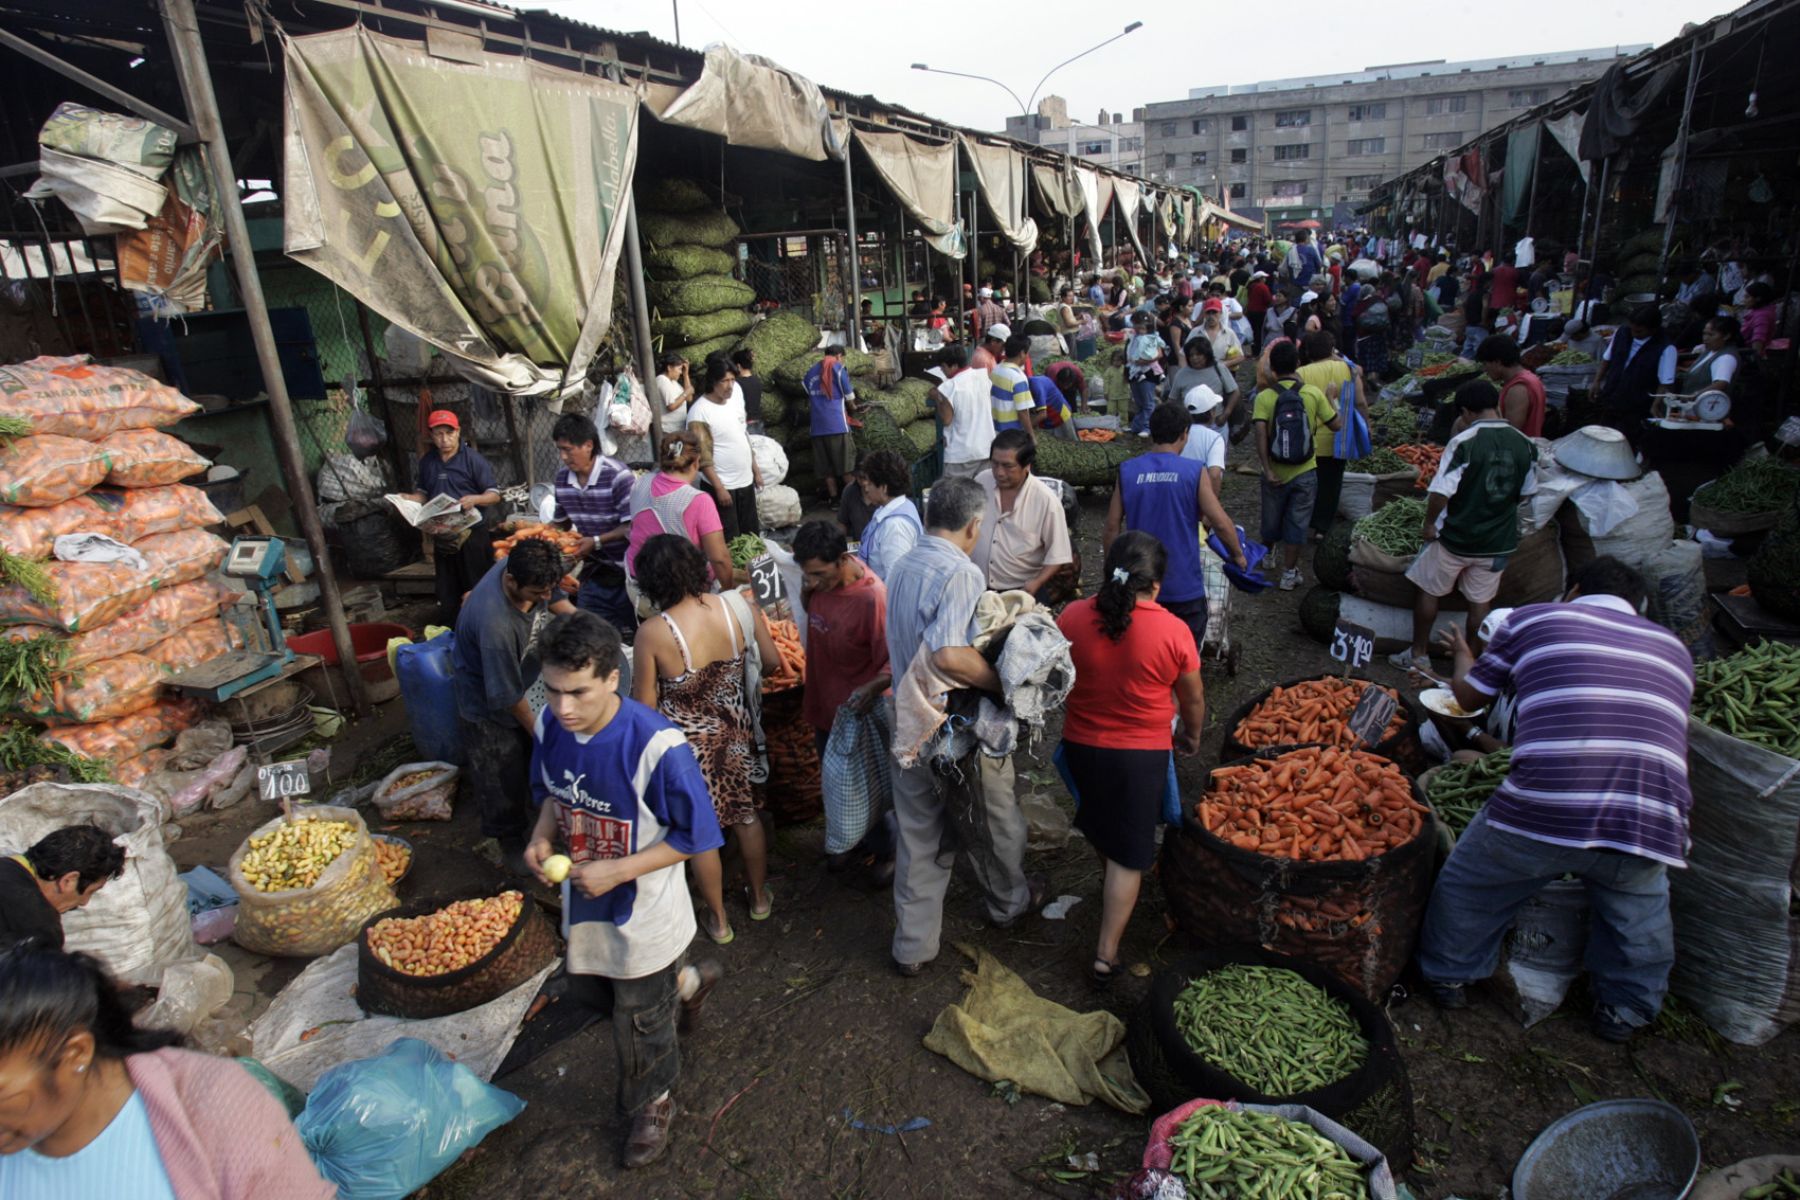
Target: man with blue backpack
1287, 418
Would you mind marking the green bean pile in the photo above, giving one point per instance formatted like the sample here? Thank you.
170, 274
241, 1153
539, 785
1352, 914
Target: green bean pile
1226, 1154
1381, 461
1395, 424
1458, 791
1752, 696
1755, 485
1571, 358
1783, 1187
1394, 528
744, 547
1270, 1029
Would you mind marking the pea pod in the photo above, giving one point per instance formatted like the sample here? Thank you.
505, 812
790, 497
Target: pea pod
1395, 527
1746, 694
1458, 791
1227, 1154
1270, 1028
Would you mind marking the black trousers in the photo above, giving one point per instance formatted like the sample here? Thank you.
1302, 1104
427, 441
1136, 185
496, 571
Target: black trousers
461, 569
499, 767
739, 517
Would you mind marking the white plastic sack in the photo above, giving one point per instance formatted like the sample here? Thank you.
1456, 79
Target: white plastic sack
322, 997
778, 506
189, 993
770, 458
1737, 943
1546, 947
138, 923
855, 777
1357, 498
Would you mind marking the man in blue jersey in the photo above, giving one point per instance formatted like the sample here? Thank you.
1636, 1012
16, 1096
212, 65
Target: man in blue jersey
621, 792
1165, 494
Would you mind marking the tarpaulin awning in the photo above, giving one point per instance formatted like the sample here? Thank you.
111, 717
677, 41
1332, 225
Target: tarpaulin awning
1616, 108
1000, 173
477, 203
1566, 129
1056, 190
1189, 225
750, 101
1093, 205
1212, 212
1125, 193
1521, 165
923, 178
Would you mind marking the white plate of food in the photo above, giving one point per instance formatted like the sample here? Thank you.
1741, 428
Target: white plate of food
1442, 701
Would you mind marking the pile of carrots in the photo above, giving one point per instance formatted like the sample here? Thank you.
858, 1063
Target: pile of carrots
1315, 804
1096, 435
1316, 711
566, 541
791, 671
1425, 458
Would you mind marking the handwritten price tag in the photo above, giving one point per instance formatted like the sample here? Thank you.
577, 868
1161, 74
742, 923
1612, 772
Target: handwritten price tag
1369, 719
1352, 644
283, 780
765, 580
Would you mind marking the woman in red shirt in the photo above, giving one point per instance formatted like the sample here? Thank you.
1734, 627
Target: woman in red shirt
1118, 724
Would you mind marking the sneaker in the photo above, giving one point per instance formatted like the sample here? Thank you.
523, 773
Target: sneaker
1448, 996
710, 973
649, 1139
1406, 660
908, 970
1290, 579
1609, 1027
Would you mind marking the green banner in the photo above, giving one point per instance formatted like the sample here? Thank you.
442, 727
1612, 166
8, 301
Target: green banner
1521, 164
475, 199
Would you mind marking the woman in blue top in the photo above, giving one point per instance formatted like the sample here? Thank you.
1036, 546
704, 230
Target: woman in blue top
895, 528
832, 398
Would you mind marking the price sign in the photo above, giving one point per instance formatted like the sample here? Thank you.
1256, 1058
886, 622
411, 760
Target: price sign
283, 780
765, 580
1352, 644
1369, 719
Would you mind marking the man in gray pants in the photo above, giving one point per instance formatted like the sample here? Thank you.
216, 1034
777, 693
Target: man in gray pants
932, 594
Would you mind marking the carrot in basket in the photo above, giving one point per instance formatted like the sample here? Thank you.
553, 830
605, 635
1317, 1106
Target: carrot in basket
1313, 804
1314, 710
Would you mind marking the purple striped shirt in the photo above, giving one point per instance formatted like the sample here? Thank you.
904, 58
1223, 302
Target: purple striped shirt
1600, 759
599, 504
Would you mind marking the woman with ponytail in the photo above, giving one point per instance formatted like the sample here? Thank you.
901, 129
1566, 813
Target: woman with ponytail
1136, 669
91, 1106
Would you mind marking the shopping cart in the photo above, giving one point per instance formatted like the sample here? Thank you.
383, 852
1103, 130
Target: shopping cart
1218, 645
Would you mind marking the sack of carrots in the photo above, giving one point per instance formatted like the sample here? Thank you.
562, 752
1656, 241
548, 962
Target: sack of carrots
47, 469
79, 398
566, 541
76, 596
99, 691
178, 557
149, 458
1307, 712
146, 511
1096, 435
121, 738
790, 672
198, 643
32, 532
1313, 804
1424, 457
795, 789
137, 631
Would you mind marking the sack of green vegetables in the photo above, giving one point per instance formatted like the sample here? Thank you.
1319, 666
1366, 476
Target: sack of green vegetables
1223, 1151
1262, 1028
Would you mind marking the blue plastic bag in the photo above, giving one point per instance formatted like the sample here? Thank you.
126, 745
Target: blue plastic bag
382, 1128
1352, 441
1246, 580
425, 673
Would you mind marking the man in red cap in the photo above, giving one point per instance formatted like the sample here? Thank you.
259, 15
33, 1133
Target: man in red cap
458, 471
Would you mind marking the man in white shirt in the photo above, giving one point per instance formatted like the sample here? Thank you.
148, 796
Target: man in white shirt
964, 404
1024, 541
734, 475
674, 390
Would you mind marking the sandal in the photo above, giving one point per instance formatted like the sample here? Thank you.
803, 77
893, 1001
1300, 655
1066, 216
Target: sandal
768, 898
1104, 971
722, 937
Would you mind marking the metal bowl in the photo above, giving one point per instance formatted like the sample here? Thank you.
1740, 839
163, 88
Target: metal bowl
1598, 451
1613, 1150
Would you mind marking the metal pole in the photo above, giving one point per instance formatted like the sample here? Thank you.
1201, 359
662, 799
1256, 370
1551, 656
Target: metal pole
183, 31
187, 134
1599, 211
1537, 167
1681, 145
402, 479
640, 306
855, 319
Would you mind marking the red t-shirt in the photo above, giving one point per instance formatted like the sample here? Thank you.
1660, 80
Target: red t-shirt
846, 645
1125, 709
1504, 289
1258, 298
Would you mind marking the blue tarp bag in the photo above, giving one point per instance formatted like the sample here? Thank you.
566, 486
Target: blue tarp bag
425, 674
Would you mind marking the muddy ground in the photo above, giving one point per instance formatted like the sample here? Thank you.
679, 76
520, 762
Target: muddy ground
813, 1029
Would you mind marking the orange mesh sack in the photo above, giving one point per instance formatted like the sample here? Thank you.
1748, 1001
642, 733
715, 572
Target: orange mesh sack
47, 469
141, 458
198, 643
32, 532
99, 691
165, 613
83, 596
146, 511
178, 557
77, 397
121, 738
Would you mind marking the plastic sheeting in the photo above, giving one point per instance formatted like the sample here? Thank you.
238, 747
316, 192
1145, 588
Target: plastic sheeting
1617, 109
1566, 129
922, 177
1125, 192
1521, 166
752, 101
1000, 172
487, 220
1057, 190
1093, 204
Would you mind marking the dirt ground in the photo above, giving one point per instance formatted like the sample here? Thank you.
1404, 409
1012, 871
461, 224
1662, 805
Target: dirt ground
812, 1029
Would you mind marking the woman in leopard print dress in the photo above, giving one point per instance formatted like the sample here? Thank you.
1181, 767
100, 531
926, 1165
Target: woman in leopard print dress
689, 666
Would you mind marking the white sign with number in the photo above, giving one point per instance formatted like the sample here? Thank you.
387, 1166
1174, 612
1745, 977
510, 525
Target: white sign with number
1352, 644
283, 780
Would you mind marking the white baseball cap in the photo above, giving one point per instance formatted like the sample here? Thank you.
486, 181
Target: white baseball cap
1259, 274
999, 330
1200, 400
1492, 623
985, 292
1308, 297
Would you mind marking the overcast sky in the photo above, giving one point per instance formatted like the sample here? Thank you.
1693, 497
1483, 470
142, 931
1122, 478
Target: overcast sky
869, 48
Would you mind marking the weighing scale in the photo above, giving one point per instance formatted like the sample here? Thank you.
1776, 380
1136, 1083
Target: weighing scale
259, 562
1702, 410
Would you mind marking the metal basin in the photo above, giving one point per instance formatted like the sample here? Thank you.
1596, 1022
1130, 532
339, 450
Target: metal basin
1613, 1150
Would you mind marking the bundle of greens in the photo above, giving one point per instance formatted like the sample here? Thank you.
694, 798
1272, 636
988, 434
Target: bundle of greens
1381, 461
1755, 485
1394, 528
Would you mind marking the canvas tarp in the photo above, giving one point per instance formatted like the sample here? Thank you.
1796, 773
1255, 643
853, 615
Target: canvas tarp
477, 204
1125, 193
1212, 212
1617, 108
750, 101
1000, 172
1056, 190
1093, 204
923, 178
1566, 129
1521, 165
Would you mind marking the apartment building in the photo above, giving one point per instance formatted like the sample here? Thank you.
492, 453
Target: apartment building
1113, 141
1293, 148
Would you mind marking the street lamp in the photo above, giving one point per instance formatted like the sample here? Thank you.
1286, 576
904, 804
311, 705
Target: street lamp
1025, 107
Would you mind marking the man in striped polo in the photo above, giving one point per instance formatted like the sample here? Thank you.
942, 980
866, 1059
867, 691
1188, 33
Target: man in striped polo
1598, 790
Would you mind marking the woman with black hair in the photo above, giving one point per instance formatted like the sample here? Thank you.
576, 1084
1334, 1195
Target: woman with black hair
91, 1106
1118, 724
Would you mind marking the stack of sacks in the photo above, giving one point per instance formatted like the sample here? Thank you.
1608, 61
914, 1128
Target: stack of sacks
85, 456
696, 307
